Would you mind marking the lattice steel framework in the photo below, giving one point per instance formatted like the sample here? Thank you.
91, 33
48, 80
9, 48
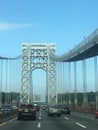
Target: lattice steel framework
38, 56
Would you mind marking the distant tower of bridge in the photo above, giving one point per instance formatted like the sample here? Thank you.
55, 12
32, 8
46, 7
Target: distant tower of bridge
38, 56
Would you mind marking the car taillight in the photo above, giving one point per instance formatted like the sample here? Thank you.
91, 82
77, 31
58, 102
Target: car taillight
20, 109
32, 109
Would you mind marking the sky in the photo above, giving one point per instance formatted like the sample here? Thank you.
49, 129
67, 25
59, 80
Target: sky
63, 22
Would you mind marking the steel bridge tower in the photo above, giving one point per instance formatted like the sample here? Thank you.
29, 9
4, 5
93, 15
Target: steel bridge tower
38, 56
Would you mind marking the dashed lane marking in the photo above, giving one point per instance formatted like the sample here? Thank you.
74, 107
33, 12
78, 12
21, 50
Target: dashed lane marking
76, 123
39, 125
39, 118
80, 125
66, 118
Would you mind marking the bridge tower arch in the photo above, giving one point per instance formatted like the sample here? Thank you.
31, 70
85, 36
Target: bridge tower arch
38, 56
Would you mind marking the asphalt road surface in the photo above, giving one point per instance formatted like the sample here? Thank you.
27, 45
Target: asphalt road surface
74, 121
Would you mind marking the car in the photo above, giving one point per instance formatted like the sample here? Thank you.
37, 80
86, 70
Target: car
44, 107
54, 111
6, 108
37, 107
14, 107
65, 110
26, 111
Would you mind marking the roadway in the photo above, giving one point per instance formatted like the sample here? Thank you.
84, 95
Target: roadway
75, 121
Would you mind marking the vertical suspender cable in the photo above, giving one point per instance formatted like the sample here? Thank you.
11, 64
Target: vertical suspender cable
58, 83
63, 85
69, 83
96, 81
85, 101
10, 88
12, 80
59, 91
1, 74
61, 81
6, 91
75, 83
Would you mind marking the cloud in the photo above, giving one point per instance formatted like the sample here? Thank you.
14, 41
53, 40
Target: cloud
10, 26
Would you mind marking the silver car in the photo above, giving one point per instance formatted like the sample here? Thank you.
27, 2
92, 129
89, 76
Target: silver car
54, 111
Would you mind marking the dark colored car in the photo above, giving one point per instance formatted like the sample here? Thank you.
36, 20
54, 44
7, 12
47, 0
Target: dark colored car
6, 108
44, 107
26, 111
65, 110
37, 107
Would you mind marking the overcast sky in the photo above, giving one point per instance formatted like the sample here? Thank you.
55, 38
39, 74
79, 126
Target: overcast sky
63, 22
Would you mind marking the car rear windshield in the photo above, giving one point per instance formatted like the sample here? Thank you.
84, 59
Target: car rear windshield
26, 106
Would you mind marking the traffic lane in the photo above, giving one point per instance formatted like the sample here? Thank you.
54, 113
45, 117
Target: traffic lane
24, 124
47, 123
58, 123
19, 125
43, 122
76, 121
83, 120
65, 122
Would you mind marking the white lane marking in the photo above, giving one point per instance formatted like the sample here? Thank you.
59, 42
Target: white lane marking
39, 118
66, 118
40, 113
39, 125
92, 118
81, 125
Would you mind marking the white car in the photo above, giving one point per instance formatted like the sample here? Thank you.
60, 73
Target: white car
54, 111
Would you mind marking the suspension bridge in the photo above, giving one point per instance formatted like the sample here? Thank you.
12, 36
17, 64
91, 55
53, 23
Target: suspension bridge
71, 73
